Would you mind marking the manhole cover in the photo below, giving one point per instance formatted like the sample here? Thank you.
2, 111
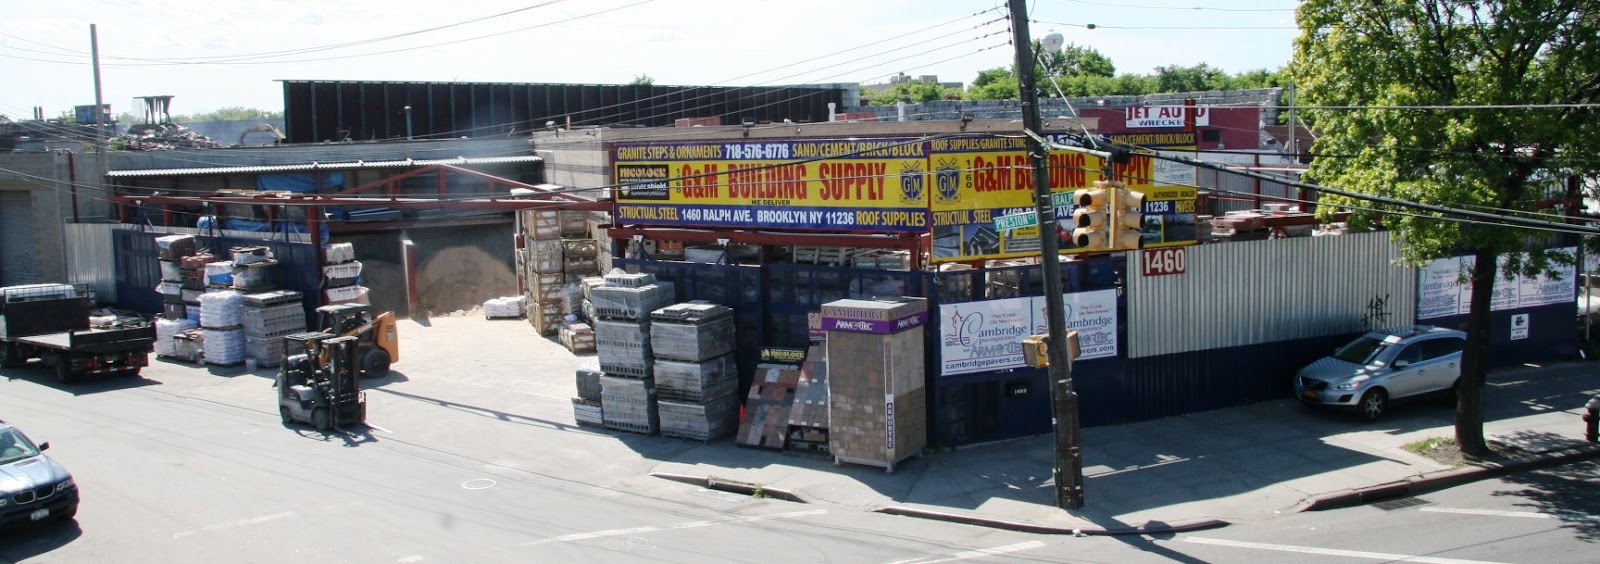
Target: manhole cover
1400, 503
478, 484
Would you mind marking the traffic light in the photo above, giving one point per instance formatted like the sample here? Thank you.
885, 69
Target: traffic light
1127, 217
1090, 219
1036, 350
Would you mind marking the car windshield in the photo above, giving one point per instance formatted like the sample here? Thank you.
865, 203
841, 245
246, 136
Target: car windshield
1361, 350
14, 446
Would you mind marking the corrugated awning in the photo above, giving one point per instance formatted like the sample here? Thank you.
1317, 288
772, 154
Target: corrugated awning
314, 166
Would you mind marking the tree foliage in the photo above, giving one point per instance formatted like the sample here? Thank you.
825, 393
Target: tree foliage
642, 80
995, 84
1427, 55
914, 91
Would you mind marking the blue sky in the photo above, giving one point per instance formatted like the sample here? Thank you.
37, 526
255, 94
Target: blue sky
230, 52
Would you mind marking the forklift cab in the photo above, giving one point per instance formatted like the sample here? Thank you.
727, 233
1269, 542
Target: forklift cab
317, 382
378, 335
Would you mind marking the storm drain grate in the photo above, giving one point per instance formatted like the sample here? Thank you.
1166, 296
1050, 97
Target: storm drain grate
1400, 503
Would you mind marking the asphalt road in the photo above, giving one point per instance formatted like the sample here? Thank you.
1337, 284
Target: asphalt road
470, 457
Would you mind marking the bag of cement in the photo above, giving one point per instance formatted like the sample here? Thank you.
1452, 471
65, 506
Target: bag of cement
221, 310
250, 255
219, 273
168, 328
506, 307
224, 347
338, 252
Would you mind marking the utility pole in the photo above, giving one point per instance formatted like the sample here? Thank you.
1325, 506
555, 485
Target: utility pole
99, 104
1063, 400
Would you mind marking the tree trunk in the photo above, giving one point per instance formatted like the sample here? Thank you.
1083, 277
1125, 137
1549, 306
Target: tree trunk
1475, 358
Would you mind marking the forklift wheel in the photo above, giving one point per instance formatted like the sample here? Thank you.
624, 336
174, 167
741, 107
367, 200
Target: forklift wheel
322, 419
283, 412
375, 364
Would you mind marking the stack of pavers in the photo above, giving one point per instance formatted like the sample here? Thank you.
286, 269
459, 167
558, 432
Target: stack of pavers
172, 249
695, 370
542, 269
767, 407
254, 269
622, 339
268, 317
192, 269
808, 415
341, 275
586, 407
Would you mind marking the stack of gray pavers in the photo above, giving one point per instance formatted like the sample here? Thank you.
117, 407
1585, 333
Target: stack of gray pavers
586, 406
268, 317
696, 371
622, 343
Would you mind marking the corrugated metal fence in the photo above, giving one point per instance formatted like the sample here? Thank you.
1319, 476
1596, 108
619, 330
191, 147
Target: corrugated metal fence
1258, 292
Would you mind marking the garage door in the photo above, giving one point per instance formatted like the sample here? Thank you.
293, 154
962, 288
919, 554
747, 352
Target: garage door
16, 239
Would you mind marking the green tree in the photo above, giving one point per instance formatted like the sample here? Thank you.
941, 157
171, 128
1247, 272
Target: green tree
1178, 78
915, 92
994, 84
1386, 59
642, 80
1076, 60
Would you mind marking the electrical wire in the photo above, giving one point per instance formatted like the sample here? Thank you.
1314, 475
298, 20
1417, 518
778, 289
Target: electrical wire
1186, 8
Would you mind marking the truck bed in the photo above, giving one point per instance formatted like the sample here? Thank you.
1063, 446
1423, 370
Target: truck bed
96, 340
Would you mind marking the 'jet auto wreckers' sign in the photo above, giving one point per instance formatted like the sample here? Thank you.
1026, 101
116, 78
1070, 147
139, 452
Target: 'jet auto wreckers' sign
1163, 116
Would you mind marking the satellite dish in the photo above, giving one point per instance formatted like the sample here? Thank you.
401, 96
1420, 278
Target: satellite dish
1052, 42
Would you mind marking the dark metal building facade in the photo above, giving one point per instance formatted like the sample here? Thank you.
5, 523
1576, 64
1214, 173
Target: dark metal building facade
317, 111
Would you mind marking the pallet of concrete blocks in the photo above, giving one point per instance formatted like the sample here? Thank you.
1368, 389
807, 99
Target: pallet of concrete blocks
697, 381
347, 295
621, 278
623, 347
273, 321
541, 224
589, 381
698, 421
588, 412
578, 338
545, 318
337, 253
574, 223
692, 332
342, 274
544, 256
173, 248
630, 404
633, 303
509, 307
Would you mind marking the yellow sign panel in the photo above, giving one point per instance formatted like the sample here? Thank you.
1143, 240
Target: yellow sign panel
979, 179
870, 185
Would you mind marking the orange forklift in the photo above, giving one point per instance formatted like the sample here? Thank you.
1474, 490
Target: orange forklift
378, 336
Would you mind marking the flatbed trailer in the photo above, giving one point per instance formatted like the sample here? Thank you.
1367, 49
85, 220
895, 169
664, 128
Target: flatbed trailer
50, 322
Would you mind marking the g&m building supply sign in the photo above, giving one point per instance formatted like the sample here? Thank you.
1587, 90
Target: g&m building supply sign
858, 184
1443, 291
987, 336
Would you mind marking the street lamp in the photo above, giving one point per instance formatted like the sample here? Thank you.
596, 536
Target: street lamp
1063, 400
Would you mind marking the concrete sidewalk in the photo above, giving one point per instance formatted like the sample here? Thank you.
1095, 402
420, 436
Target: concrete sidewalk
1203, 470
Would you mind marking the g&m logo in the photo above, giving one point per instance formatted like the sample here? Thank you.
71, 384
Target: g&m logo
948, 180
911, 183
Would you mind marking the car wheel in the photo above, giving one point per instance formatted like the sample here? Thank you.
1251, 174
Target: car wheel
1373, 404
322, 419
283, 413
375, 364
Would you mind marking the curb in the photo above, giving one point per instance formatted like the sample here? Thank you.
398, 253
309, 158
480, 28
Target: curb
1444, 479
1022, 526
731, 486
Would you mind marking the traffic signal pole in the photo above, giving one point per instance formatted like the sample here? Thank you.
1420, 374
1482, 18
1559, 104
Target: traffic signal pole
1063, 400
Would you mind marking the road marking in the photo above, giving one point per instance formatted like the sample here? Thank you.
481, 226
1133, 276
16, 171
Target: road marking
1334, 552
412, 558
979, 553
687, 525
1525, 514
240, 523
379, 429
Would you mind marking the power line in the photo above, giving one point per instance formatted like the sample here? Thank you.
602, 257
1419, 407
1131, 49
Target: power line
1173, 28
1187, 8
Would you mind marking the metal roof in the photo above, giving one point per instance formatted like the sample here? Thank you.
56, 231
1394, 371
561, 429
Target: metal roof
302, 167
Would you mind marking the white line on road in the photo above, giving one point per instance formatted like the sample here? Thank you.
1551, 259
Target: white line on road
1333, 552
412, 558
379, 429
1524, 514
240, 523
979, 553
687, 525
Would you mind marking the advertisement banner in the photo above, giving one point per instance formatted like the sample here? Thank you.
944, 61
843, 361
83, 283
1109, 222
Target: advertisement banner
986, 336
1443, 290
858, 184
977, 179
1139, 117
